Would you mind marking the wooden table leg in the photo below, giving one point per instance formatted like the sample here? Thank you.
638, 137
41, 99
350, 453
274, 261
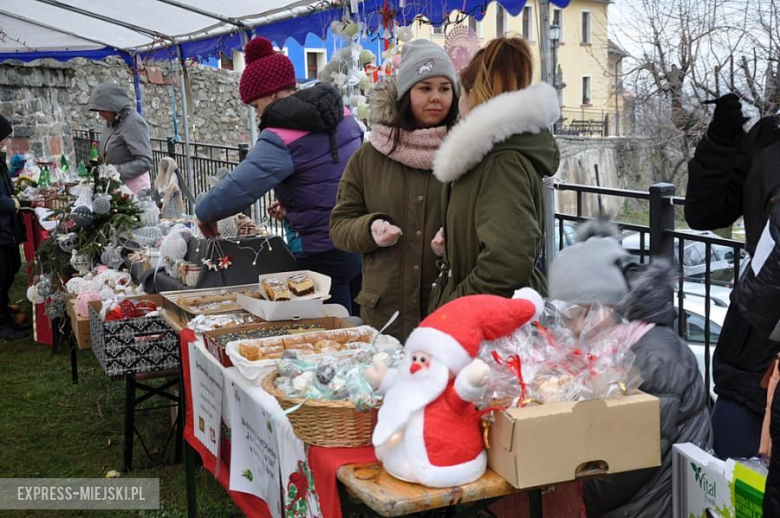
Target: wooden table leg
74, 360
535, 503
189, 467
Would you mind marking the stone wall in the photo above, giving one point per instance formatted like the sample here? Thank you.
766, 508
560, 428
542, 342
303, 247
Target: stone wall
46, 100
623, 163
35, 100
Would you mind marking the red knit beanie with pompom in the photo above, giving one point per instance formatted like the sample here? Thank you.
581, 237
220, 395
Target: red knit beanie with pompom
266, 71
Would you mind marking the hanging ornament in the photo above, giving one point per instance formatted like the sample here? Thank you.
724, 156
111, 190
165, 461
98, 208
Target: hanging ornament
228, 228
45, 287
81, 305
101, 204
112, 257
77, 285
82, 216
363, 111
224, 262
352, 29
404, 34
55, 307
67, 242
81, 263
366, 57
337, 27
147, 237
208, 263
32, 295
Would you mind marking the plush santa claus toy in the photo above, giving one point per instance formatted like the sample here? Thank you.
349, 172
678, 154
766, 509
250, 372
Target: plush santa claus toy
428, 430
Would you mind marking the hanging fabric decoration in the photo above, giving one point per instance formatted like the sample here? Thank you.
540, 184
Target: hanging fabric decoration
82, 214
81, 263
55, 307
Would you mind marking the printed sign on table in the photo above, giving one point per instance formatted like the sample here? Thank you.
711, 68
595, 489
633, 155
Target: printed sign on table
254, 456
207, 380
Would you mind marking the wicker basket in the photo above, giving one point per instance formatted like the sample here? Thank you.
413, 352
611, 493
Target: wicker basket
333, 424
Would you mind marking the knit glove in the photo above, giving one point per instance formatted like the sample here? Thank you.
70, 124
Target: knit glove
384, 233
727, 120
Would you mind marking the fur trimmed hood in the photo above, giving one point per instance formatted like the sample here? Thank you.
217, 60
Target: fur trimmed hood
530, 110
651, 288
383, 101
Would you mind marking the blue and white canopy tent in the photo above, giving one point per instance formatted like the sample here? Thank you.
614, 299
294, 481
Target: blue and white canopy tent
197, 29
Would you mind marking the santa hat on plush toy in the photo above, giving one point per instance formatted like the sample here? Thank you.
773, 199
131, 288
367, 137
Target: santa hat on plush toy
454, 333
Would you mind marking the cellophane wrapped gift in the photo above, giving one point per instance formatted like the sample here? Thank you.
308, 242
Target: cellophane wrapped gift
573, 353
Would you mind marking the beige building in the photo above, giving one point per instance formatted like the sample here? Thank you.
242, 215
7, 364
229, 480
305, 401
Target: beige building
589, 66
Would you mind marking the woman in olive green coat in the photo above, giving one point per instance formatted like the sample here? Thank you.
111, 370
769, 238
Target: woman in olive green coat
492, 165
388, 206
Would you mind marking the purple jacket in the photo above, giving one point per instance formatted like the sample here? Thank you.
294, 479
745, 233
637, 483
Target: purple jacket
305, 143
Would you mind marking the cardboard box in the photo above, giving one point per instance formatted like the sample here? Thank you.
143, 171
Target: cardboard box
80, 326
559, 442
309, 306
705, 486
220, 353
133, 345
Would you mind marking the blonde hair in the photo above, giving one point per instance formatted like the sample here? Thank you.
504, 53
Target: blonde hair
504, 65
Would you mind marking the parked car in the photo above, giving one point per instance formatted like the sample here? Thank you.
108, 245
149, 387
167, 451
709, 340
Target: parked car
694, 266
720, 296
694, 330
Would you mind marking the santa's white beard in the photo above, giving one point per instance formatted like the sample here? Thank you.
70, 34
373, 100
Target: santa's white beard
409, 393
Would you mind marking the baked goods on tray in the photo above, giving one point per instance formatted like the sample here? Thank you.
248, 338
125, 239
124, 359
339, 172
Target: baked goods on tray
306, 343
300, 285
276, 290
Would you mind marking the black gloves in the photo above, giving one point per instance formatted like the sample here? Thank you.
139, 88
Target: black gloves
727, 120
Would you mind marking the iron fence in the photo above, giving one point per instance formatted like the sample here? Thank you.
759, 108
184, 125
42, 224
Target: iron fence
207, 160
703, 261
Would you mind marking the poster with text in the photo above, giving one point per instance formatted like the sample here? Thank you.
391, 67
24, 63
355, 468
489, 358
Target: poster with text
254, 456
207, 381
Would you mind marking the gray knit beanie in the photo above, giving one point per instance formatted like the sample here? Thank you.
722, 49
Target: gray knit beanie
590, 271
421, 59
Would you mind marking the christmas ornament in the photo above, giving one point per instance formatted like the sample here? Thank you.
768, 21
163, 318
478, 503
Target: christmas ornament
147, 237
82, 216
67, 242
81, 304
337, 27
76, 285
101, 204
352, 29
55, 307
227, 228
444, 447
32, 295
45, 287
112, 257
366, 57
404, 34
224, 262
81, 263
208, 263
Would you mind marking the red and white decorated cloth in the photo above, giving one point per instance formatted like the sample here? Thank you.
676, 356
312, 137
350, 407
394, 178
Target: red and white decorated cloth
308, 475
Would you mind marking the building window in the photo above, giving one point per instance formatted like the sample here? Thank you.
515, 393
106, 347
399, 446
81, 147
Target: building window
500, 21
587, 93
438, 31
586, 27
557, 19
528, 23
315, 61
225, 61
475, 26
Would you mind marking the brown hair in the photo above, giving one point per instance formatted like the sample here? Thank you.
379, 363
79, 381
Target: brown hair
504, 65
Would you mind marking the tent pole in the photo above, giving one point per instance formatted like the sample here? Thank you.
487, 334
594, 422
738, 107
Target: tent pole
187, 151
137, 85
252, 131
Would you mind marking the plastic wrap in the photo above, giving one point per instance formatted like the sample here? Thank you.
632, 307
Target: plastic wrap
574, 353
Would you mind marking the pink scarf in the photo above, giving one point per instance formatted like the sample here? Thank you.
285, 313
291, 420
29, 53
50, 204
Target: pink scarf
415, 148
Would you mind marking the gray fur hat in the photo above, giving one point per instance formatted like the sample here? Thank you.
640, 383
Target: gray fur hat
591, 270
421, 59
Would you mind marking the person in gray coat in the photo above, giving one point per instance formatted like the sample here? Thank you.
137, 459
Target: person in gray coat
596, 269
125, 143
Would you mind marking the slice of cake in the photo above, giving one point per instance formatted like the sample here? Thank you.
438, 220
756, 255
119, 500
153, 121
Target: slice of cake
300, 285
276, 290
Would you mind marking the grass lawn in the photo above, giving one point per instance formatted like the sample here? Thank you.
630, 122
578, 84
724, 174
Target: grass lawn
52, 428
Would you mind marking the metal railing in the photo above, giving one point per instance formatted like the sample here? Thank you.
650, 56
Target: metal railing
207, 159
659, 239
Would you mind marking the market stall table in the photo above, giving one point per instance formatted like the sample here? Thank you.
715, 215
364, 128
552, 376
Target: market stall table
35, 234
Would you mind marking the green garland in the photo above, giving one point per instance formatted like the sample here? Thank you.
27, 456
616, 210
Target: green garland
91, 240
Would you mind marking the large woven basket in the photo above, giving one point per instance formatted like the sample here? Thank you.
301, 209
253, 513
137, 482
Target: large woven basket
329, 423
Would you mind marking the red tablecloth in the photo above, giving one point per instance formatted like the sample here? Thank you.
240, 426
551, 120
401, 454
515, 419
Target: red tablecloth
323, 461
35, 236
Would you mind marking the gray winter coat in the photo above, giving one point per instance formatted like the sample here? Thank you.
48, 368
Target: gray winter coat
125, 143
670, 373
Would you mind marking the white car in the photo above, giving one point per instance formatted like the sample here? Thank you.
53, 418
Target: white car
720, 296
693, 330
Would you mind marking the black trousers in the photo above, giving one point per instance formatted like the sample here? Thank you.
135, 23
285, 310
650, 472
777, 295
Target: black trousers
10, 262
